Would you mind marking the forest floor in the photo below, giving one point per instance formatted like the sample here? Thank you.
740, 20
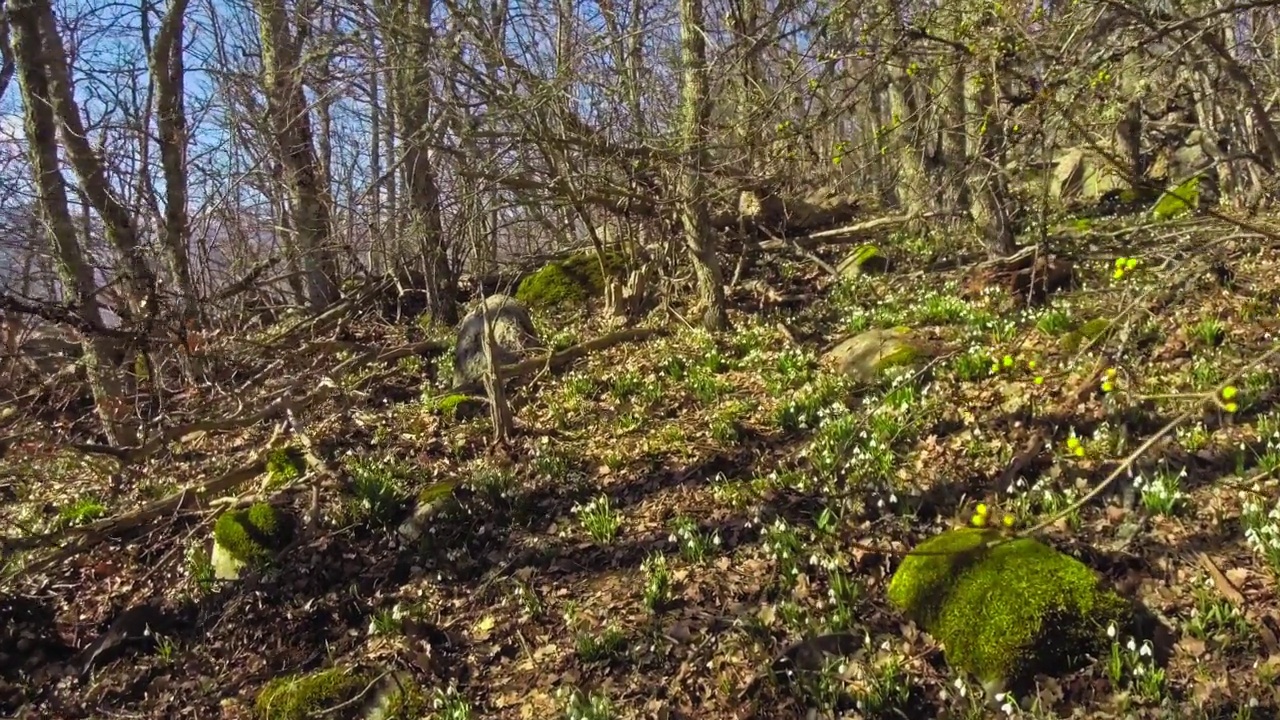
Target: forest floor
679, 511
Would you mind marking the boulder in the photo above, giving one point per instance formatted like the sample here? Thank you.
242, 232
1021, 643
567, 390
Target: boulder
513, 333
863, 356
1008, 612
572, 280
1082, 175
248, 538
308, 695
865, 260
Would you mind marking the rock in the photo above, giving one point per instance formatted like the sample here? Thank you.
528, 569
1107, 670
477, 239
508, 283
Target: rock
1009, 612
1081, 175
865, 260
573, 280
513, 334
248, 538
433, 501
863, 356
306, 695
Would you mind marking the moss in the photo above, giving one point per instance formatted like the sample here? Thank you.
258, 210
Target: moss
284, 464
574, 279
457, 406
1094, 328
409, 703
1008, 612
1090, 331
303, 696
437, 492
250, 534
865, 259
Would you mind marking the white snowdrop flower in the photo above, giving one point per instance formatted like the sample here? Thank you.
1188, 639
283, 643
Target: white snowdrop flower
1111, 631
1132, 645
1146, 649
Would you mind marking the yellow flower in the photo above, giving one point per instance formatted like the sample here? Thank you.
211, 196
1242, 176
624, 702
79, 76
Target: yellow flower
1031, 364
1120, 262
1231, 407
979, 520
1073, 442
1039, 380
1117, 274
981, 509
1131, 263
1007, 520
1229, 392
1079, 452
1111, 372
1108, 386
1008, 361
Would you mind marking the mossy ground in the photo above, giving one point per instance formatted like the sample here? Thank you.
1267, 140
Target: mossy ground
727, 536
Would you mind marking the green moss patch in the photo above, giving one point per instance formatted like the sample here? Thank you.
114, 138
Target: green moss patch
864, 260
1008, 612
249, 535
1088, 332
285, 464
457, 406
303, 696
574, 279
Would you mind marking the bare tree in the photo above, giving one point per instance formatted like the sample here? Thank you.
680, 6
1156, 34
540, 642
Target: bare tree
693, 210
410, 42
284, 32
34, 52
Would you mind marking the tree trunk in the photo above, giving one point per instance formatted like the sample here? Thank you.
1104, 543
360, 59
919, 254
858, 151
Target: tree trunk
167, 72
107, 382
291, 122
988, 197
693, 196
410, 49
117, 219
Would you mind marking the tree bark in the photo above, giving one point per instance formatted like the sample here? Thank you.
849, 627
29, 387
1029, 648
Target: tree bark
694, 217
139, 282
291, 123
106, 381
168, 74
410, 49
988, 195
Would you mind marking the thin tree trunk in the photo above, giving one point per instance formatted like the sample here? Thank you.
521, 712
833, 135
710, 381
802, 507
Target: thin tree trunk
117, 219
291, 124
988, 197
167, 72
693, 211
107, 382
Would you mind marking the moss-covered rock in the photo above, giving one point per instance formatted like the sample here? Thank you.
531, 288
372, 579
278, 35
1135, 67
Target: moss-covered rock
514, 337
1087, 332
305, 695
248, 537
457, 406
575, 279
1008, 612
433, 501
864, 356
864, 260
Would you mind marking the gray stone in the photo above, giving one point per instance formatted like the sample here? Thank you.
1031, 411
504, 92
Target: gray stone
862, 357
513, 333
